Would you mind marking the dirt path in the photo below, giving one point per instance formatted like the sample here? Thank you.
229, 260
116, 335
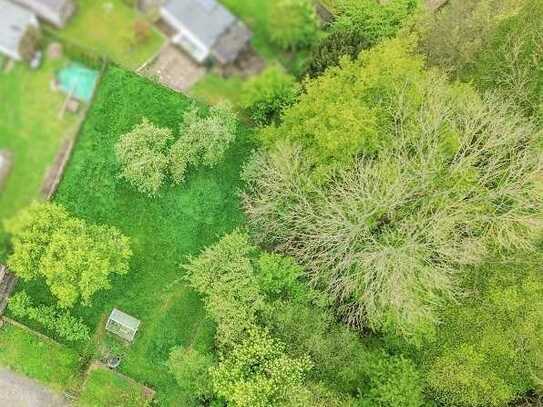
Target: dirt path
19, 391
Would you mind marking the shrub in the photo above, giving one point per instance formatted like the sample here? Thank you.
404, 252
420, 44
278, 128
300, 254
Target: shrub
375, 21
142, 155
51, 318
268, 94
29, 43
293, 24
393, 381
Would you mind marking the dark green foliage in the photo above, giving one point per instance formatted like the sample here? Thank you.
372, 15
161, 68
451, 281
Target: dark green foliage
266, 96
393, 381
511, 62
348, 42
55, 320
163, 231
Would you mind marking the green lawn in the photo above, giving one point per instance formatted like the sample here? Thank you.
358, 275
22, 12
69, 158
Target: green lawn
54, 365
105, 388
107, 28
213, 89
181, 221
31, 129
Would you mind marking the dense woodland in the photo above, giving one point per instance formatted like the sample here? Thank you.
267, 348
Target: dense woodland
392, 248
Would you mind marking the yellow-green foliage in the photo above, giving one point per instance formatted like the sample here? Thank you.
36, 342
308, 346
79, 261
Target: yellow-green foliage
75, 258
490, 347
343, 113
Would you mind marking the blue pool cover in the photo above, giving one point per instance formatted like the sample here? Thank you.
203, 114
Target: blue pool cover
77, 80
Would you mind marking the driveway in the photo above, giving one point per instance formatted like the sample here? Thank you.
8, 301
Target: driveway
174, 69
19, 391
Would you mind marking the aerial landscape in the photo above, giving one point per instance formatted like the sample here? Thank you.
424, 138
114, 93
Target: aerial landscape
253, 203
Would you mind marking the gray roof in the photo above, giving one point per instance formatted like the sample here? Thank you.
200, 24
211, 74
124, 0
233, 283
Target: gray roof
52, 5
14, 21
124, 319
54, 11
205, 19
230, 45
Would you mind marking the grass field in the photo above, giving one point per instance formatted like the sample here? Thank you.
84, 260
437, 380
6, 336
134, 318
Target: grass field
181, 221
54, 365
31, 129
107, 28
105, 388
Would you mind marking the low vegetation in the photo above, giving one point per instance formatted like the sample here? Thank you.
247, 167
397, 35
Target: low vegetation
113, 29
31, 129
104, 387
55, 365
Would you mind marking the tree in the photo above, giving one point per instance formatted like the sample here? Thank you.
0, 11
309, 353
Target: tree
191, 370
383, 233
266, 96
203, 140
342, 42
142, 155
489, 351
224, 275
258, 373
453, 38
509, 62
293, 24
75, 259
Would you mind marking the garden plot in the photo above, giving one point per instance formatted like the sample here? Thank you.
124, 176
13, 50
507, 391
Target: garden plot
163, 231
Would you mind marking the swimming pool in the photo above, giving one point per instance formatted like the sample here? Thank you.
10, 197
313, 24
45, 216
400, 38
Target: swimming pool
78, 81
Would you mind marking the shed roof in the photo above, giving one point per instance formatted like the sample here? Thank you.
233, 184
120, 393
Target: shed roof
14, 21
125, 320
207, 20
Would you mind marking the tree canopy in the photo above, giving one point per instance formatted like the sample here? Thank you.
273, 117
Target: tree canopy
76, 259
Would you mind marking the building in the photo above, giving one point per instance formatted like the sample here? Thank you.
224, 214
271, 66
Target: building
14, 23
56, 12
206, 30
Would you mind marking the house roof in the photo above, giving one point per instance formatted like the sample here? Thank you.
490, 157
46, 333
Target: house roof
231, 43
14, 21
207, 20
54, 11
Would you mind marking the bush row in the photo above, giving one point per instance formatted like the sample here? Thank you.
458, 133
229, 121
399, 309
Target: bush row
52, 318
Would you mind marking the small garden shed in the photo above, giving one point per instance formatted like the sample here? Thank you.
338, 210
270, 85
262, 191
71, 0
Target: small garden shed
122, 324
